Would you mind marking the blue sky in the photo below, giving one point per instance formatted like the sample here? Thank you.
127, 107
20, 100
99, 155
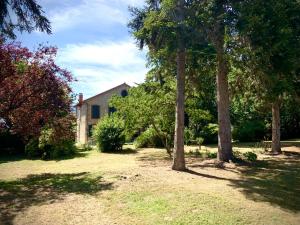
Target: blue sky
93, 42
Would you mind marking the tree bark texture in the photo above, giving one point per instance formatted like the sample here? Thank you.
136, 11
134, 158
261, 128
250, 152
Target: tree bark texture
178, 155
276, 146
224, 134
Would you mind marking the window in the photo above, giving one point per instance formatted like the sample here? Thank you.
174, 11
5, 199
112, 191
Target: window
111, 110
124, 93
90, 130
95, 111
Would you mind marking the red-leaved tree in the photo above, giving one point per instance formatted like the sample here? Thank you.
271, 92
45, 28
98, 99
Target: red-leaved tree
33, 90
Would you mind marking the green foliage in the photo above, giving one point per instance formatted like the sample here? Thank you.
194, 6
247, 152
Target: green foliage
150, 104
269, 27
109, 133
46, 148
199, 141
290, 118
188, 136
254, 130
256, 33
28, 16
61, 149
210, 133
56, 140
148, 138
250, 156
246, 156
85, 148
32, 148
211, 155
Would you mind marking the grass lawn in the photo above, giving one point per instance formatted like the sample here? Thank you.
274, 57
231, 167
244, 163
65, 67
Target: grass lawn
138, 187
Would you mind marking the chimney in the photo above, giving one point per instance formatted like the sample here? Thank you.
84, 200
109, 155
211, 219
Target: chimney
80, 100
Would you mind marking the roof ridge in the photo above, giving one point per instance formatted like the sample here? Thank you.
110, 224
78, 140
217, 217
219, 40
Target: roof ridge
106, 91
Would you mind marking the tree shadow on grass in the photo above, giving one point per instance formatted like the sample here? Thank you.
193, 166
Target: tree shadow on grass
124, 151
19, 157
17, 195
284, 143
276, 181
11, 158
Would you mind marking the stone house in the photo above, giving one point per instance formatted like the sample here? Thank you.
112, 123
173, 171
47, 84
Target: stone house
90, 110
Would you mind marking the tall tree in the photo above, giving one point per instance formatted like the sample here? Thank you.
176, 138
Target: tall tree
271, 34
215, 20
33, 89
21, 15
161, 26
178, 156
224, 139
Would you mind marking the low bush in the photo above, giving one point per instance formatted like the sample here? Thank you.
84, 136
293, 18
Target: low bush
109, 134
147, 139
211, 155
55, 141
188, 136
210, 133
246, 156
85, 147
32, 148
250, 156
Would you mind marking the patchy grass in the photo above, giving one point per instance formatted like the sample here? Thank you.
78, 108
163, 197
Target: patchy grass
138, 187
156, 207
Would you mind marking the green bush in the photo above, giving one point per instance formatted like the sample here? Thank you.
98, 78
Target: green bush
32, 148
109, 133
85, 148
188, 136
148, 138
246, 156
65, 148
254, 130
212, 155
210, 133
56, 140
250, 156
46, 148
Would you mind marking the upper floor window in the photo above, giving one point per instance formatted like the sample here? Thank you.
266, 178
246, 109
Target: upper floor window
124, 93
95, 111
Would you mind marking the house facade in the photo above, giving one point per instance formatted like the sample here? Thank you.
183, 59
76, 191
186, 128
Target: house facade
91, 110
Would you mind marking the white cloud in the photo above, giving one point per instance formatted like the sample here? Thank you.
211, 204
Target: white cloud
98, 13
114, 54
103, 65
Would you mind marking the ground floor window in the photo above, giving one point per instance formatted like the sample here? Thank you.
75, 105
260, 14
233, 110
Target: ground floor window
90, 130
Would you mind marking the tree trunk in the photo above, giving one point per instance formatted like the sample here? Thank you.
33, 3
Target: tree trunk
178, 155
224, 134
276, 147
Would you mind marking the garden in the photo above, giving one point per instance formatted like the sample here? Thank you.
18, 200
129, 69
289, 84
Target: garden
210, 136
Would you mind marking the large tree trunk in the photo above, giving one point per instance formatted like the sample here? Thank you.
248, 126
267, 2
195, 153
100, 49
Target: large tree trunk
178, 156
276, 147
179, 162
224, 135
